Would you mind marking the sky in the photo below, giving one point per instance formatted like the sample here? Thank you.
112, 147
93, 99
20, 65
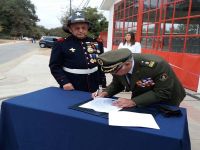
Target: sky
50, 11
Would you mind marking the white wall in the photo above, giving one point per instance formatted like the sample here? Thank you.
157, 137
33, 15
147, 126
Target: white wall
109, 5
198, 89
110, 28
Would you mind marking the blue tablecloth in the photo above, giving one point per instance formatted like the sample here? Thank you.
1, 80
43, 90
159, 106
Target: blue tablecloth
42, 120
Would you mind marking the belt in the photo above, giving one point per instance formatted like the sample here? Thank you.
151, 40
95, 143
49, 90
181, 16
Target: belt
80, 71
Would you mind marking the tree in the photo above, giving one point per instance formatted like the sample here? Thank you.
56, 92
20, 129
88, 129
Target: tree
1, 28
18, 17
57, 32
193, 29
41, 31
98, 21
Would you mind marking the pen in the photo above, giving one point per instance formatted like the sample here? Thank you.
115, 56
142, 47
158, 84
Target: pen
96, 94
98, 91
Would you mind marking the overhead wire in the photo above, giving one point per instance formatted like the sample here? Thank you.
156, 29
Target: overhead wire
86, 3
81, 4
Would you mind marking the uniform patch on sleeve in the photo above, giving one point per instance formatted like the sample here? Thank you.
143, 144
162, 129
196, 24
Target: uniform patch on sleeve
163, 77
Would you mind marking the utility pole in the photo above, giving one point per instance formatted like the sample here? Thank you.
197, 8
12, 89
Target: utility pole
70, 9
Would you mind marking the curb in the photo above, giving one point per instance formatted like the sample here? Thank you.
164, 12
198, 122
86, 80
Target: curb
192, 95
12, 63
11, 42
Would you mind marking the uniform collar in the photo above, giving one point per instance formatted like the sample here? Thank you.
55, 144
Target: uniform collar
133, 63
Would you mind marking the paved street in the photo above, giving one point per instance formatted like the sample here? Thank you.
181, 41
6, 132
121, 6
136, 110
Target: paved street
25, 73
31, 73
11, 51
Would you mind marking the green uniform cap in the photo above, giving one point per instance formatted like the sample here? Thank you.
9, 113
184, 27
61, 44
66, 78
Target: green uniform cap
112, 60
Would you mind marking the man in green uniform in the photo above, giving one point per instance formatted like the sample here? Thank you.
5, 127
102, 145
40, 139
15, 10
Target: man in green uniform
149, 77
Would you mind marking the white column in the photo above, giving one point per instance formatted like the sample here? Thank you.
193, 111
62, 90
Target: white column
198, 89
110, 29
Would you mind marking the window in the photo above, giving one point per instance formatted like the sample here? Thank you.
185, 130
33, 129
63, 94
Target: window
180, 27
165, 43
181, 9
124, 22
195, 9
177, 44
169, 11
193, 44
194, 26
149, 42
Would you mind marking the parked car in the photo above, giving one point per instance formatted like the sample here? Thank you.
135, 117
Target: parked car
48, 41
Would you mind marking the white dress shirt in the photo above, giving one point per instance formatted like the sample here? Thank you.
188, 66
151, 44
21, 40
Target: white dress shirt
136, 48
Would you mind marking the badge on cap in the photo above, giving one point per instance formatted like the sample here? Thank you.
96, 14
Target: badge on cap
163, 77
72, 50
78, 14
152, 64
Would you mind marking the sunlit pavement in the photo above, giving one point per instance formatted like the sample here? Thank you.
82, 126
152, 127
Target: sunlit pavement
33, 74
9, 42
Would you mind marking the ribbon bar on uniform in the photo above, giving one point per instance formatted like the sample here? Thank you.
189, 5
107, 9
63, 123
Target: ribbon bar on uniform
80, 71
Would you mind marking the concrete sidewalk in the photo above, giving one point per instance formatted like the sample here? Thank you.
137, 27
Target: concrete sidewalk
9, 42
32, 73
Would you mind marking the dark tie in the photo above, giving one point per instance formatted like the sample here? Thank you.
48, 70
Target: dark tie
128, 77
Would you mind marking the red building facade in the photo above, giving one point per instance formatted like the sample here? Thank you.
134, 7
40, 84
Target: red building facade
169, 28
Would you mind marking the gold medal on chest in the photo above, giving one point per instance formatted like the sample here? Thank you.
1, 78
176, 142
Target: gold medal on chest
92, 61
90, 49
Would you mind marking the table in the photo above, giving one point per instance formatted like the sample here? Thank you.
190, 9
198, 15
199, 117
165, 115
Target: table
42, 120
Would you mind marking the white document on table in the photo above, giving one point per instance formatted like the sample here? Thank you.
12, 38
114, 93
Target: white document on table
101, 105
132, 119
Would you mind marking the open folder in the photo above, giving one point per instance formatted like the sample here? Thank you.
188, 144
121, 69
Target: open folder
98, 107
103, 106
102, 112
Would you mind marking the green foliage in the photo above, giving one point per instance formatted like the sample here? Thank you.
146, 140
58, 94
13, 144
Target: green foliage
18, 17
1, 28
98, 20
57, 32
193, 29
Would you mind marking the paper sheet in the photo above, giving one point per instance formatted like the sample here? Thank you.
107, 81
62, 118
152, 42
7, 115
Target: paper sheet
132, 119
101, 105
